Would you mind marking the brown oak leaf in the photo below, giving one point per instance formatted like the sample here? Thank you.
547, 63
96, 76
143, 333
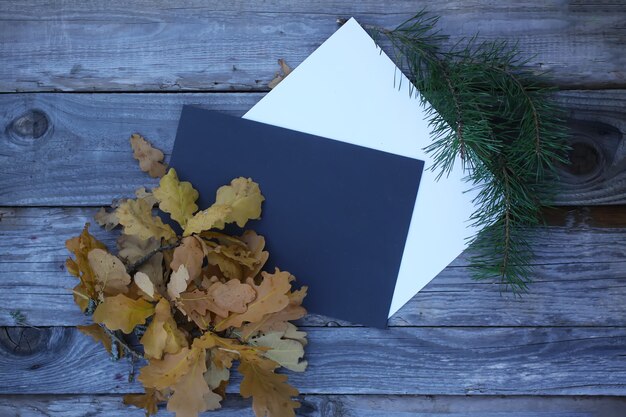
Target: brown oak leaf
148, 401
150, 159
122, 313
271, 296
110, 272
162, 335
190, 254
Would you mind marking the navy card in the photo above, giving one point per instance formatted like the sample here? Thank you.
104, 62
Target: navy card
335, 215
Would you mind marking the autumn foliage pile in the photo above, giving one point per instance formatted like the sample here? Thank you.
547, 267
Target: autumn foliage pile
196, 301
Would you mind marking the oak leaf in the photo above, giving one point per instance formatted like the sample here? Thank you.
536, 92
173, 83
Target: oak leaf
189, 253
192, 395
279, 76
137, 219
106, 219
143, 282
122, 313
244, 197
270, 392
271, 296
176, 198
278, 321
163, 373
142, 193
285, 352
213, 217
132, 248
98, 334
110, 272
148, 401
179, 280
150, 159
219, 298
162, 335
80, 246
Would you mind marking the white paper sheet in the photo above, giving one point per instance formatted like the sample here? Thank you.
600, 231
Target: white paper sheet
349, 91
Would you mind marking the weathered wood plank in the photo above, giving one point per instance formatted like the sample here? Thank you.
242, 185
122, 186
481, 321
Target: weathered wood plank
572, 264
72, 149
333, 406
410, 361
197, 45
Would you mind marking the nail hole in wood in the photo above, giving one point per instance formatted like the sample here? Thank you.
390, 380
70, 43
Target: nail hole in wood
31, 125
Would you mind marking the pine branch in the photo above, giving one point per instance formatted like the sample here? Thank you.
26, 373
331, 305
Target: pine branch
498, 118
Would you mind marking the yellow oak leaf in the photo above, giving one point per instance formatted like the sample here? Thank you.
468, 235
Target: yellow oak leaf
176, 198
278, 321
137, 219
148, 401
271, 296
106, 219
244, 197
122, 313
110, 272
285, 352
146, 195
98, 334
192, 395
270, 392
80, 246
162, 335
163, 373
150, 159
255, 244
131, 248
229, 268
213, 217
178, 282
190, 254
285, 71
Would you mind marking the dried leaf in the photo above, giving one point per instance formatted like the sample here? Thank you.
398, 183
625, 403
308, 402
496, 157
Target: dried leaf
106, 219
189, 253
244, 197
110, 272
80, 246
218, 367
146, 195
148, 401
122, 313
285, 352
142, 280
271, 395
98, 334
192, 395
150, 159
285, 69
279, 320
214, 216
292, 332
132, 248
256, 244
176, 198
153, 268
271, 297
163, 373
137, 219
219, 298
162, 335
226, 265
178, 282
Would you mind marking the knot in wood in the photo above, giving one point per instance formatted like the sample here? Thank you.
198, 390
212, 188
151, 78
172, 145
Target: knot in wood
584, 159
31, 125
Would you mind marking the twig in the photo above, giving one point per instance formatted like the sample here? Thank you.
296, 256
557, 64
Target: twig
133, 267
122, 343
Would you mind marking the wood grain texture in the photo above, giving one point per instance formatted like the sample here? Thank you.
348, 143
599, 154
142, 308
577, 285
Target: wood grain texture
197, 45
333, 406
408, 361
72, 149
572, 263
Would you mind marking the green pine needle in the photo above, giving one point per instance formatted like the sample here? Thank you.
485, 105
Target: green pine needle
499, 118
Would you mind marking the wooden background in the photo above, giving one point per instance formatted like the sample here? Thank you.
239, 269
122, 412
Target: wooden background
77, 77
